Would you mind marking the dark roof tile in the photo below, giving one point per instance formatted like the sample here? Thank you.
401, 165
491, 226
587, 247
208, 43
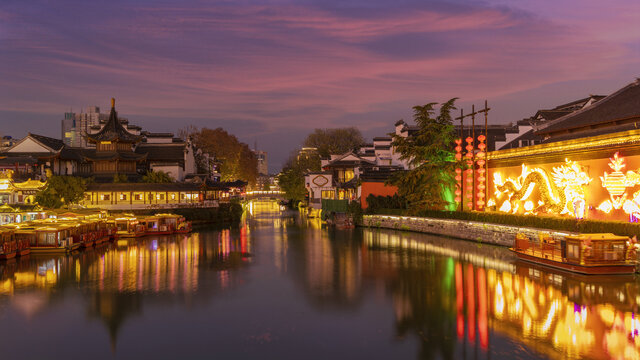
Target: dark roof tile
623, 104
113, 130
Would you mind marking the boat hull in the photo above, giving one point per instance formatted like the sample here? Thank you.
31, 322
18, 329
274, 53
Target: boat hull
10, 255
23, 252
159, 232
51, 250
576, 268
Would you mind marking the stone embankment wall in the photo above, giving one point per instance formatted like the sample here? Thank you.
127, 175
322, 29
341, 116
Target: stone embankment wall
502, 235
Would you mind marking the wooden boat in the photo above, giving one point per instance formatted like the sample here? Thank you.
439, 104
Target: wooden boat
8, 244
53, 238
156, 225
129, 227
588, 254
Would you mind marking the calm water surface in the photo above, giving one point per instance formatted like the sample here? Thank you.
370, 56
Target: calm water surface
283, 287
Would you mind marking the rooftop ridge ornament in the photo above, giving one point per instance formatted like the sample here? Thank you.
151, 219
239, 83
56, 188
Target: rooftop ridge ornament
113, 102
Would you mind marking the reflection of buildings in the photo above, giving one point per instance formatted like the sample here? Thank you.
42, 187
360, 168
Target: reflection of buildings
446, 297
120, 279
330, 267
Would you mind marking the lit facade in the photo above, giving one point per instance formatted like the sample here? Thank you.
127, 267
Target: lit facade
593, 177
16, 192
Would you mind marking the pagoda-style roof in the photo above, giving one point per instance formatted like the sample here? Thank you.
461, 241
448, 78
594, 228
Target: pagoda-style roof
29, 185
113, 130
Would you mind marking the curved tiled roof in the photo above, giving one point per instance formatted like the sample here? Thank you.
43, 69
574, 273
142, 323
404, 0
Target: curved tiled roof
623, 104
52, 143
113, 130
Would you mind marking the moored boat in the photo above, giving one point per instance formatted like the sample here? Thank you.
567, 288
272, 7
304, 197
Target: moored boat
53, 238
588, 254
156, 225
8, 244
129, 227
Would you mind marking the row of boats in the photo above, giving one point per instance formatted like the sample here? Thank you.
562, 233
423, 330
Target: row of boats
71, 232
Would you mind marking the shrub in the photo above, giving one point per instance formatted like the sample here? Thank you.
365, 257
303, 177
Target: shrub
531, 221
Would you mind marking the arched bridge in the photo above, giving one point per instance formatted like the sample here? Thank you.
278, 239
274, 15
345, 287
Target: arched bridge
264, 195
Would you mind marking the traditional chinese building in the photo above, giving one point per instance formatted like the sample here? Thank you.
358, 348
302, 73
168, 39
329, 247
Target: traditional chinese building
18, 192
588, 165
114, 149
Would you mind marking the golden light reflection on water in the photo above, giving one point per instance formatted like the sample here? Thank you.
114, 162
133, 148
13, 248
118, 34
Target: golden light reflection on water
561, 315
161, 264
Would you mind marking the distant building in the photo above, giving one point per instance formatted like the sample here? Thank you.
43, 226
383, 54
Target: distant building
7, 141
263, 164
113, 147
89, 121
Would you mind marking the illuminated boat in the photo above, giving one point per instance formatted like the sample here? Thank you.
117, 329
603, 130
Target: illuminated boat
99, 231
156, 225
52, 238
129, 227
8, 244
588, 254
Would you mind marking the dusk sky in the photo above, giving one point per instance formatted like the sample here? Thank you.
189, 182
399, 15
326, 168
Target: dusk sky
272, 71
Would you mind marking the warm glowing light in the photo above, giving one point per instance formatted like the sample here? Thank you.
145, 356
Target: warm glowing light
528, 205
561, 193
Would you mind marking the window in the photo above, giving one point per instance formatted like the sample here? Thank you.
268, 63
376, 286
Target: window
327, 194
525, 142
573, 251
123, 196
345, 175
173, 196
106, 197
137, 197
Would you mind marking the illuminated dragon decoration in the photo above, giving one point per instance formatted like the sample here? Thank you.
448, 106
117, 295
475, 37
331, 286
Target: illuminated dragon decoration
562, 192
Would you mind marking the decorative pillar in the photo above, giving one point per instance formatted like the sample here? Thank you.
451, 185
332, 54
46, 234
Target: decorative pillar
469, 173
480, 161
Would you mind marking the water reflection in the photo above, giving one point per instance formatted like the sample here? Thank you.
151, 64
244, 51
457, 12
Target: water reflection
470, 293
289, 285
115, 278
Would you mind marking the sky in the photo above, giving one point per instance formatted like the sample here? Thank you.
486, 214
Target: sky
272, 71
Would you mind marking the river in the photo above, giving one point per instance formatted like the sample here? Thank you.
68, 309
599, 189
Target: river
285, 287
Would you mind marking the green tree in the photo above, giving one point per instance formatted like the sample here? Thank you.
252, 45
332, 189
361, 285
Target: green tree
235, 159
120, 178
156, 177
334, 141
429, 182
61, 190
291, 179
